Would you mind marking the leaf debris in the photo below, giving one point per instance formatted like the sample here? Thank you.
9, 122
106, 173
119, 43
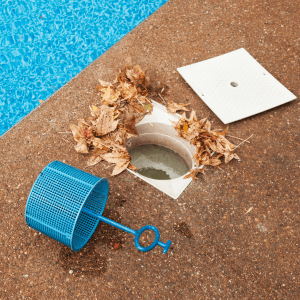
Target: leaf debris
173, 107
207, 141
122, 104
248, 210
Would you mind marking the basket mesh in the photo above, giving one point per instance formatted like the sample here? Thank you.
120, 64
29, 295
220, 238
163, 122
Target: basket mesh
56, 199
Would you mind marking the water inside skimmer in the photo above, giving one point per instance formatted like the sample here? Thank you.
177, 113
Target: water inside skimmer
158, 162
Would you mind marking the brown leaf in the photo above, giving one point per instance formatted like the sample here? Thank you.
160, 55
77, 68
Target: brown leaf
127, 90
132, 167
109, 142
104, 83
207, 126
229, 156
193, 117
93, 160
193, 173
119, 136
215, 162
130, 75
121, 77
129, 118
116, 157
220, 155
78, 131
139, 109
173, 107
110, 96
82, 147
119, 168
105, 123
224, 132
100, 152
100, 144
139, 75
80, 134
121, 159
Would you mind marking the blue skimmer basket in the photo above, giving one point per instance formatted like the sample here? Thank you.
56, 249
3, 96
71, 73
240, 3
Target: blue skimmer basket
55, 203
67, 204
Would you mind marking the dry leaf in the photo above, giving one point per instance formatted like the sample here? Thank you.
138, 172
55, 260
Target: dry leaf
193, 173
127, 90
80, 134
224, 132
82, 147
116, 157
93, 160
112, 144
173, 107
121, 159
100, 152
100, 144
248, 210
139, 75
129, 119
229, 156
132, 167
105, 123
120, 168
110, 96
78, 131
103, 85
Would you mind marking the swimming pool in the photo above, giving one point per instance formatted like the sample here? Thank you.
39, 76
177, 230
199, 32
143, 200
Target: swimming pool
43, 44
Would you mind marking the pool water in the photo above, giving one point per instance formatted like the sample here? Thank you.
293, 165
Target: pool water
158, 162
43, 44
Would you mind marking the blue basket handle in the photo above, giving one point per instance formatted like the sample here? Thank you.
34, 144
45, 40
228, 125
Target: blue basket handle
155, 242
137, 234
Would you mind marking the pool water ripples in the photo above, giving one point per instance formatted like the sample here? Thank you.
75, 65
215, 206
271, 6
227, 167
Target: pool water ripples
43, 44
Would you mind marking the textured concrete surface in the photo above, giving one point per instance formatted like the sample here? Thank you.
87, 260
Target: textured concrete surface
218, 250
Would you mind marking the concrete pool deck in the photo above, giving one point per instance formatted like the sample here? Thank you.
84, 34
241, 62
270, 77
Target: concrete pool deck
234, 232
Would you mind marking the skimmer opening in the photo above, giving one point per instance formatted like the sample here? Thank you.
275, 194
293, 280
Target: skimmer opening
158, 162
158, 155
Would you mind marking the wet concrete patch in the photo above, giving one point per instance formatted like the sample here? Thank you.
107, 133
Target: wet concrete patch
182, 228
92, 259
120, 202
85, 262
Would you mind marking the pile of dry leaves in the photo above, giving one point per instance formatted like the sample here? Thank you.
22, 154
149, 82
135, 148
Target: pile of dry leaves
206, 141
123, 103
